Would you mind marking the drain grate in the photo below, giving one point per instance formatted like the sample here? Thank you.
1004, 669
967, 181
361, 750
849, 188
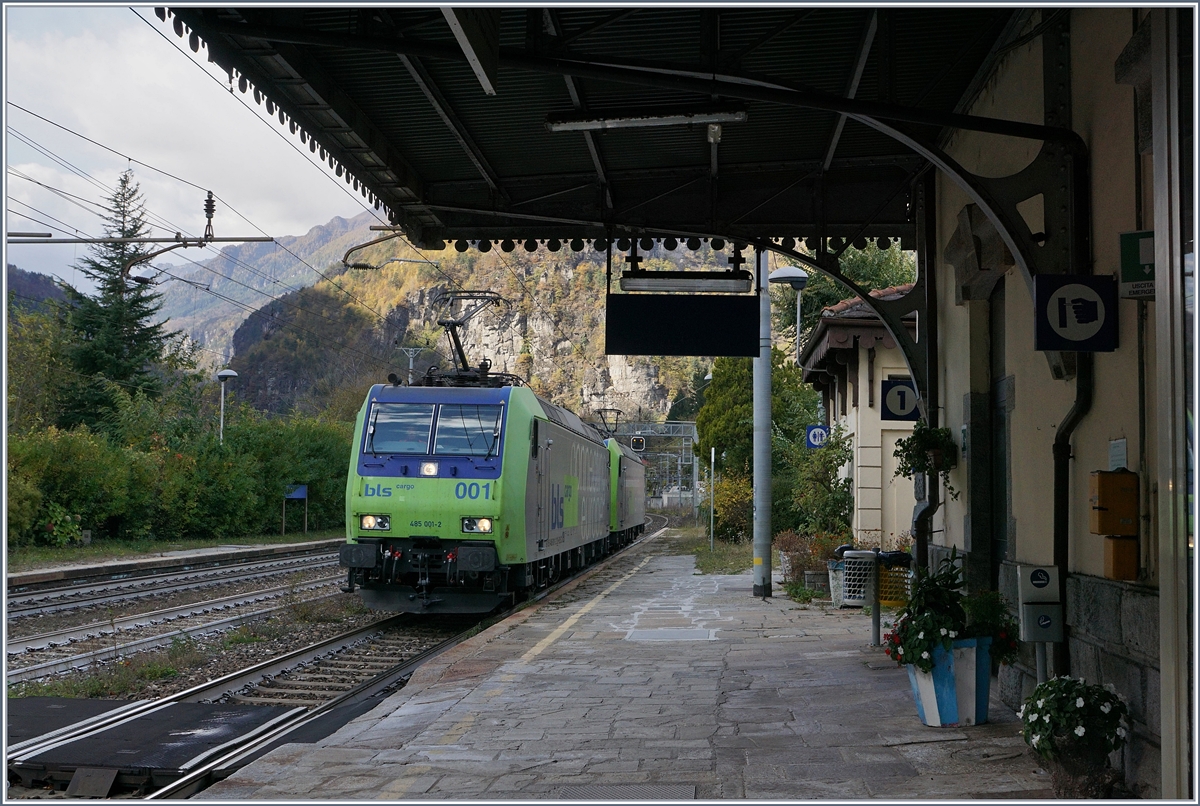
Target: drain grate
628, 792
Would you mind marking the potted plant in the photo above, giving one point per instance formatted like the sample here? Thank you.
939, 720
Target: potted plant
1074, 726
944, 639
927, 450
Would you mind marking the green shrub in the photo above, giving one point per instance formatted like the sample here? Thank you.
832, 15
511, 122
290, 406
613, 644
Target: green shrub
734, 502
24, 501
77, 470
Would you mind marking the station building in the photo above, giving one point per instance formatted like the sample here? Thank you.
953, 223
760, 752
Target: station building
1121, 79
853, 361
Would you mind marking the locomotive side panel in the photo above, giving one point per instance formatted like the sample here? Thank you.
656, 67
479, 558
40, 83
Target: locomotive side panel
568, 492
633, 493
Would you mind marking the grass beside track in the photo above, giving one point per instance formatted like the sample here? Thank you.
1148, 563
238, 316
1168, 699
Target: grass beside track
723, 558
29, 558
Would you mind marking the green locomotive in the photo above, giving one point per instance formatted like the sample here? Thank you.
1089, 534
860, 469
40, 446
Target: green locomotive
460, 499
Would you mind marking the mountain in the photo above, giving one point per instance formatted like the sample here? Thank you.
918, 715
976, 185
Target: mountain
246, 277
30, 290
317, 346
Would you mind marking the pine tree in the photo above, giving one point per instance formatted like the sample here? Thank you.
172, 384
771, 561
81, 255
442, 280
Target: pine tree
115, 337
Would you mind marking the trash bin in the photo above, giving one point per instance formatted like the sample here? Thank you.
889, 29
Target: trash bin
836, 567
858, 578
895, 578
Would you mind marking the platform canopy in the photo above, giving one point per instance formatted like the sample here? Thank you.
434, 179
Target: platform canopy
585, 122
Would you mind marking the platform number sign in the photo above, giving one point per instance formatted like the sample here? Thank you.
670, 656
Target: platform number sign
816, 435
899, 401
637, 443
1075, 312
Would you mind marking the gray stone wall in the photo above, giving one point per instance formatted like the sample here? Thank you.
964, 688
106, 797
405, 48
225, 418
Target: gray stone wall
1113, 638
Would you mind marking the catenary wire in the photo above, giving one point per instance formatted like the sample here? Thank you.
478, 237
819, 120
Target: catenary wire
174, 228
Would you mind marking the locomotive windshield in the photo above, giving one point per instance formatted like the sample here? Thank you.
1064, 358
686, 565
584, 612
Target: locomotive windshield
400, 428
468, 430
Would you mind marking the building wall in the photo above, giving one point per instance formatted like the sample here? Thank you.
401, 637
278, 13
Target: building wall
1103, 114
883, 502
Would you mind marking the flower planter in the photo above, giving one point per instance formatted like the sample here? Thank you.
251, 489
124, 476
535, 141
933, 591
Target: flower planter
956, 691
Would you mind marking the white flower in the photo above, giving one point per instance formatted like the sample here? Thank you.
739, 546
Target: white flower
1079, 704
925, 655
943, 630
1041, 703
1021, 713
1046, 717
1105, 707
1034, 741
1079, 731
1032, 718
1121, 732
920, 635
900, 651
953, 633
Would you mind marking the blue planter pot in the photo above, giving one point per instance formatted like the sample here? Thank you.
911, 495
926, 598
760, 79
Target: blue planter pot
955, 692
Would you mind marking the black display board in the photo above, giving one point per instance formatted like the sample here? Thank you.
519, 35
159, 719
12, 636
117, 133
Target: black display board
681, 324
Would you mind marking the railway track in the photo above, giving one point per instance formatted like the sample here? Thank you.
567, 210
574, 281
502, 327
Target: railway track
366, 661
71, 635
313, 682
43, 601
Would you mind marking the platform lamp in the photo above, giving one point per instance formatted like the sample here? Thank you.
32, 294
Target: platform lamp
223, 376
797, 278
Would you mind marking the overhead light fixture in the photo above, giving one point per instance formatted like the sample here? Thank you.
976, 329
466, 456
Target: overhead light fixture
643, 119
738, 281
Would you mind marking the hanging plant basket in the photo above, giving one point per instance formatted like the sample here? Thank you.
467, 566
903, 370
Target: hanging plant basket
930, 451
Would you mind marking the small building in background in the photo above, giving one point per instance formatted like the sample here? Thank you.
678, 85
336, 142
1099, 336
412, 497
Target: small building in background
853, 362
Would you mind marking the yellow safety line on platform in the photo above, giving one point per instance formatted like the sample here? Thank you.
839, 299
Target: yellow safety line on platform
455, 733
398, 787
566, 625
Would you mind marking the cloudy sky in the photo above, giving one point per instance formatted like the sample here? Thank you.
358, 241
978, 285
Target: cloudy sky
104, 73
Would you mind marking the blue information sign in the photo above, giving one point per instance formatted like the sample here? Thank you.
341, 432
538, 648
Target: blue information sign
815, 435
296, 491
899, 401
1075, 312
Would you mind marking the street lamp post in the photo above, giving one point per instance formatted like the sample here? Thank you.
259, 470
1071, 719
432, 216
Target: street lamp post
223, 376
797, 278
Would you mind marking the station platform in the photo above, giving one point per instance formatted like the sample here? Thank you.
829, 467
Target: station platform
646, 680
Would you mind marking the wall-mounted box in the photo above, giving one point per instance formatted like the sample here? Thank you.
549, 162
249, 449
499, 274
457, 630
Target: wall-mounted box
1114, 500
1041, 622
1120, 558
1037, 583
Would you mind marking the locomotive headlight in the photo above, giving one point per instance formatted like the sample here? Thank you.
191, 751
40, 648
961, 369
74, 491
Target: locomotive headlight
378, 523
429, 468
477, 525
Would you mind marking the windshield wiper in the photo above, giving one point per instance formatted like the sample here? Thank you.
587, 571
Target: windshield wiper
371, 431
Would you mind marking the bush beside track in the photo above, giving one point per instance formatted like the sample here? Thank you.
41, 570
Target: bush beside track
172, 486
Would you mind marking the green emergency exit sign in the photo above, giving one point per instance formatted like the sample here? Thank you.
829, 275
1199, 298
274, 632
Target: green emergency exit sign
1137, 265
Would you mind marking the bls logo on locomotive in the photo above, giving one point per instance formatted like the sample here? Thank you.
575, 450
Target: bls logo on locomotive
376, 490
564, 509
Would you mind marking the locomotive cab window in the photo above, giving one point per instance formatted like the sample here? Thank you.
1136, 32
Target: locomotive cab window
468, 430
399, 428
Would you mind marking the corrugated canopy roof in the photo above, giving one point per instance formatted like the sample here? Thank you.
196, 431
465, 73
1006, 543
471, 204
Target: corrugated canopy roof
389, 95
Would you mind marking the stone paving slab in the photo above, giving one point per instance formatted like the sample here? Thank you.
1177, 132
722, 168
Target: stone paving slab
736, 696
